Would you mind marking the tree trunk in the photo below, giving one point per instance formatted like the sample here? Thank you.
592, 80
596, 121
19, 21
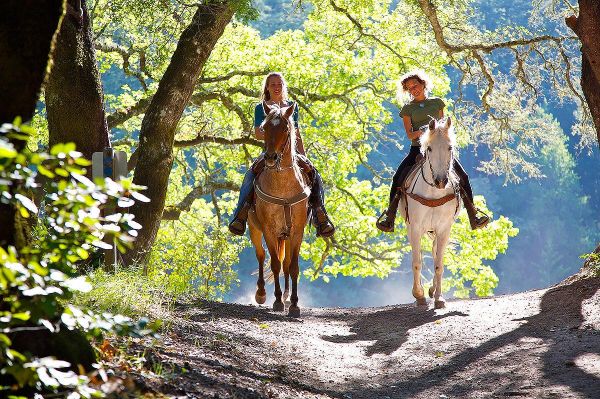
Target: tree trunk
27, 33
162, 116
27, 30
74, 98
587, 27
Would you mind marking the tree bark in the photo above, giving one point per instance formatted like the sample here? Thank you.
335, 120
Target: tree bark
74, 97
27, 29
587, 27
27, 34
162, 116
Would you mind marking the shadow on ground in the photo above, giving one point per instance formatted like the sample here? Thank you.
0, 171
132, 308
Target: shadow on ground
560, 308
388, 328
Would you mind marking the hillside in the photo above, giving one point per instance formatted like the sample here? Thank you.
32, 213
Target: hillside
536, 344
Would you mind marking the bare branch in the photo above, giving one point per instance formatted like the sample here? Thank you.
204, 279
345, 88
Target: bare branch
173, 212
123, 115
125, 55
232, 74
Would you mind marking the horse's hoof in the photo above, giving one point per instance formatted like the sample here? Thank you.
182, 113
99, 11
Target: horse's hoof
287, 303
278, 306
294, 311
440, 304
421, 302
431, 291
260, 299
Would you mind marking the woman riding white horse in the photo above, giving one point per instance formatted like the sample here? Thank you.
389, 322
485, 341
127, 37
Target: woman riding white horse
431, 204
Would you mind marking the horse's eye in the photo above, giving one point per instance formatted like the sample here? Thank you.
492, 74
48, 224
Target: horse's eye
429, 149
450, 148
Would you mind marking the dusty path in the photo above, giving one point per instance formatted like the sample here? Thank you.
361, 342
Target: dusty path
538, 344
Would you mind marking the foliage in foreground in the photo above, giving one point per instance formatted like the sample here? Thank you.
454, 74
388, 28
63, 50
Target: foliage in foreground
39, 276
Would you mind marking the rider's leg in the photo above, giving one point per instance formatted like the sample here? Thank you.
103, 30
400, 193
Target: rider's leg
240, 215
387, 220
467, 196
316, 201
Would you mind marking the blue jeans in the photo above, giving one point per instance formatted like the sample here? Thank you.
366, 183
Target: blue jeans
245, 191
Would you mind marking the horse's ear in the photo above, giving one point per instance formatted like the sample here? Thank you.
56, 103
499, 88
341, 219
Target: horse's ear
448, 122
266, 108
432, 124
289, 110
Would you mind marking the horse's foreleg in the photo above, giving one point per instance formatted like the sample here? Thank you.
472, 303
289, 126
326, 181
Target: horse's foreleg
256, 237
440, 243
415, 242
286, 273
276, 250
294, 310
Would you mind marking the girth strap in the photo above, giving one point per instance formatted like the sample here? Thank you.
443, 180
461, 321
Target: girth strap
287, 204
432, 203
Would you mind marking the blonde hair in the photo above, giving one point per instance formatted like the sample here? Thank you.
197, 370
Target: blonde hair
265, 96
420, 76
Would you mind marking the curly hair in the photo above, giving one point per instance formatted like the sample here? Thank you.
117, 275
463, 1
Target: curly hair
265, 96
420, 76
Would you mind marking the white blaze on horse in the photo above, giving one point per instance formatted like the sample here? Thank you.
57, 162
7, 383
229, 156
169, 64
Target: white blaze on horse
281, 207
430, 204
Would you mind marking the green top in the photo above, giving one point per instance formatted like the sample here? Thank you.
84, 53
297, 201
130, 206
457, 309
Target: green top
421, 112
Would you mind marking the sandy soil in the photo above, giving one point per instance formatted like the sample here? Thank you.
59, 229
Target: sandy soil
537, 344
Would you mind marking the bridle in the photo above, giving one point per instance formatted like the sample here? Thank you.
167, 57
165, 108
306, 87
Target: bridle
428, 159
279, 154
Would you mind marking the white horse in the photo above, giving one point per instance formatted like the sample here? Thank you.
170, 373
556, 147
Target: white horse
431, 204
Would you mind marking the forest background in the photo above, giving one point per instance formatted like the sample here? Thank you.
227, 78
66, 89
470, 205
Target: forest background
174, 84
531, 164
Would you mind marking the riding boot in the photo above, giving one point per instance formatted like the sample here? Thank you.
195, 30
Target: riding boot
320, 219
387, 220
237, 225
475, 221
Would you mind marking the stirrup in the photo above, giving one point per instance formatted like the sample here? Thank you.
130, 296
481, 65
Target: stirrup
479, 222
325, 228
385, 227
237, 227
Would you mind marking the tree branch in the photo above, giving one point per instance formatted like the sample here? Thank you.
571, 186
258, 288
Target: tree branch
173, 212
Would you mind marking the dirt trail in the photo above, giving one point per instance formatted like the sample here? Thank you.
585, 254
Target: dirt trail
538, 344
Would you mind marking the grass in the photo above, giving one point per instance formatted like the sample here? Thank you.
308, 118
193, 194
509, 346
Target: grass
126, 292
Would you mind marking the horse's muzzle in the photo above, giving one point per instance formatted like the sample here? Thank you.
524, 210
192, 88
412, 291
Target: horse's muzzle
440, 183
270, 159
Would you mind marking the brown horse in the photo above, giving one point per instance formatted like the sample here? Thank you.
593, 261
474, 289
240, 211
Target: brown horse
280, 211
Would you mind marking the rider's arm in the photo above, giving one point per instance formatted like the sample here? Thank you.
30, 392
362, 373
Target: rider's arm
412, 134
259, 117
299, 143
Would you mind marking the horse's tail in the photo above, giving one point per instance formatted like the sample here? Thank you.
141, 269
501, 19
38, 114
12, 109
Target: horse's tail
433, 237
269, 276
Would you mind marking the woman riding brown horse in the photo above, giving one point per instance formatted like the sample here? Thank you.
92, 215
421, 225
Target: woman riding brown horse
281, 208
275, 94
